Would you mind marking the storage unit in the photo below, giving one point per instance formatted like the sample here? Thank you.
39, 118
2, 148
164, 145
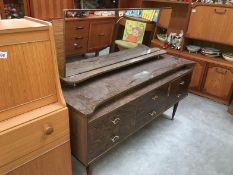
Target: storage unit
89, 34
34, 124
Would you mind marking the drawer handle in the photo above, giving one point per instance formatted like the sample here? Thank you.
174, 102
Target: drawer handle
179, 95
155, 98
182, 83
80, 27
153, 113
48, 130
101, 34
116, 121
116, 138
77, 46
77, 38
220, 12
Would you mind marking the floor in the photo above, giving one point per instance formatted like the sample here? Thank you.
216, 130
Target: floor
198, 142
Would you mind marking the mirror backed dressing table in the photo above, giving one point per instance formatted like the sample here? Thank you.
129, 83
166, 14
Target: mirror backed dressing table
113, 96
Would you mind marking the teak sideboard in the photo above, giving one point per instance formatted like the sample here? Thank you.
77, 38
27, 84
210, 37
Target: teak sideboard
125, 91
208, 25
34, 123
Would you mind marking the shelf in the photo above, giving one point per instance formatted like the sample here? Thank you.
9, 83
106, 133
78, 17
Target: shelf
157, 43
199, 56
211, 5
167, 1
201, 39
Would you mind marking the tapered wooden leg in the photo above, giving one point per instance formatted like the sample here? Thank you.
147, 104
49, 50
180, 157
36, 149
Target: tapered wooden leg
97, 53
174, 110
88, 170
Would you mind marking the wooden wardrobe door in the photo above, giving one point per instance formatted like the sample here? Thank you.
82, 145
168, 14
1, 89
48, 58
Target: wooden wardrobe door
197, 76
49, 9
218, 82
100, 35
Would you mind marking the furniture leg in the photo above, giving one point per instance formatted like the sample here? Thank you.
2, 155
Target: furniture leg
88, 170
174, 110
97, 53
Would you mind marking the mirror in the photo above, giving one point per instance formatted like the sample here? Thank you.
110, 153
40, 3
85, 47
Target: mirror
88, 33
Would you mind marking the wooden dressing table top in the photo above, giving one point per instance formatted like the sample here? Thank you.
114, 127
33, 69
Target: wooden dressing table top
96, 92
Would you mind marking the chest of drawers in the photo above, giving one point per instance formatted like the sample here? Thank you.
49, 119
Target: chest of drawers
34, 123
89, 34
106, 109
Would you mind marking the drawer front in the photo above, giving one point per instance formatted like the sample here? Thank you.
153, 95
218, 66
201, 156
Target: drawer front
100, 35
76, 46
77, 28
178, 89
151, 105
105, 133
23, 140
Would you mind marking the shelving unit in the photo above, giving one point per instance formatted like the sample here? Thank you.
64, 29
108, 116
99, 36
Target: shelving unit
212, 77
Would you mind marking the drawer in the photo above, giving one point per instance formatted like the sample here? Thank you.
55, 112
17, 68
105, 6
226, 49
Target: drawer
178, 89
33, 136
77, 28
108, 131
76, 46
151, 105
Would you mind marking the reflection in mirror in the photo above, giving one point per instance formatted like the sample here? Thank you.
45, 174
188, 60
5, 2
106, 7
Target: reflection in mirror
88, 33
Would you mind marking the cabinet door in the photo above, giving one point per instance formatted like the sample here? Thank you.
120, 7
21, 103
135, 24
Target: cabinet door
218, 28
218, 82
49, 9
100, 35
197, 77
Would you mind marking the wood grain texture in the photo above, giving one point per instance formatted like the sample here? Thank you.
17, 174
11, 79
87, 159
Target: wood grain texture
58, 29
219, 82
33, 115
108, 86
52, 9
47, 165
218, 29
164, 18
17, 142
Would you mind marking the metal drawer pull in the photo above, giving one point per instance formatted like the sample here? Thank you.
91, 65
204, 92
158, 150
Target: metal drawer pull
153, 113
80, 27
220, 12
116, 121
182, 83
155, 98
77, 38
101, 34
77, 46
179, 95
114, 139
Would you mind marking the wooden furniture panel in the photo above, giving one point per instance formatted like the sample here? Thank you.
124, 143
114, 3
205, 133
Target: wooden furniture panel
178, 89
76, 46
218, 29
49, 9
104, 133
77, 28
164, 18
18, 142
47, 165
100, 35
198, 73
33, 115
218, 82
151, 105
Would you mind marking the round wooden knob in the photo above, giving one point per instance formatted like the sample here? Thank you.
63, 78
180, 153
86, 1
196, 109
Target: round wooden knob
48, 130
